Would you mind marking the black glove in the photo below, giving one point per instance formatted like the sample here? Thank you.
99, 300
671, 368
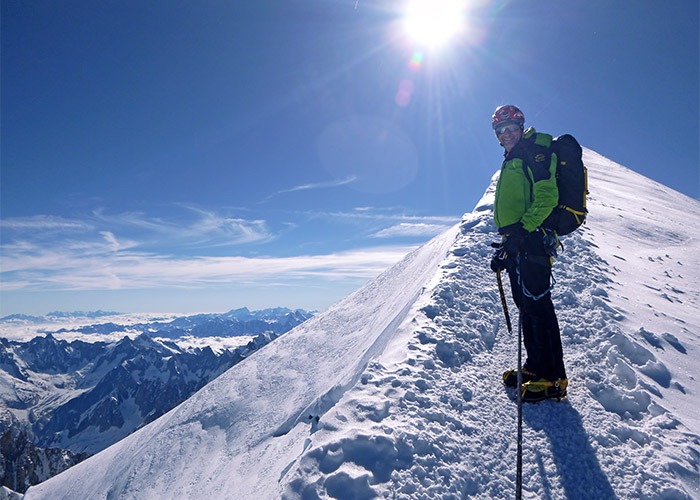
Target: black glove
515, 239
498, 261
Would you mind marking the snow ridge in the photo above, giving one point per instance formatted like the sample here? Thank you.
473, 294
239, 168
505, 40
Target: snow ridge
252, 417
396, 391
439, 425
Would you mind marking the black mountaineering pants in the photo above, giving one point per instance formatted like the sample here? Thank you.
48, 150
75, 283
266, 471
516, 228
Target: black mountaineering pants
533, 268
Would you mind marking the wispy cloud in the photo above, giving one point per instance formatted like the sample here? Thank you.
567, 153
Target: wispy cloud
405, 229
135, 250
317, 185
44, 223
105, 266
390, 215
127, 249
117, 245
392, 223
196, 227
233, 230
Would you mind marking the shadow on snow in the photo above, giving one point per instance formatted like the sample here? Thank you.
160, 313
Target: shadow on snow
576, 461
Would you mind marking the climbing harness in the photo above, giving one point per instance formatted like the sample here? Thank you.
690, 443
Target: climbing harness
550, 242
527, 292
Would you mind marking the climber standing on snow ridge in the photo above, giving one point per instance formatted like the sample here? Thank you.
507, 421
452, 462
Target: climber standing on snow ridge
526, 193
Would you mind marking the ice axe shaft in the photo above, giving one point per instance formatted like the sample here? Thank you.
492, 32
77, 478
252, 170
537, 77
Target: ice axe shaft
503, 302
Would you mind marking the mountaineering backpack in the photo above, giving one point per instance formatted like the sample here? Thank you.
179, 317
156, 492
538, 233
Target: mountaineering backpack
572, 182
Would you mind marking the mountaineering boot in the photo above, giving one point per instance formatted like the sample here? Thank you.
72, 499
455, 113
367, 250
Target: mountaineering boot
510, 378
541, 389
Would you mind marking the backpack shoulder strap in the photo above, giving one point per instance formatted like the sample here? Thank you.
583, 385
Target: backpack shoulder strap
537, 144
543, 140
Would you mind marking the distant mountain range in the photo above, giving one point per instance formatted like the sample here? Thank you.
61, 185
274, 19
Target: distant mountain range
52, 316
236, 322
82, 397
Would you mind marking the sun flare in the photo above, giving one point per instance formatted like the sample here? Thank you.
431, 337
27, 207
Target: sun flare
434, 22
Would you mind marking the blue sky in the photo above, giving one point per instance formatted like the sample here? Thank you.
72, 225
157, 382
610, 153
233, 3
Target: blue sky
200, 156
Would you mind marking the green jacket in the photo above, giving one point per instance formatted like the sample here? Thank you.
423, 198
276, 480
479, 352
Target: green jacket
527, 187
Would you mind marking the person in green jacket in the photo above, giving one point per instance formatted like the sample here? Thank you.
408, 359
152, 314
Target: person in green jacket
526, 193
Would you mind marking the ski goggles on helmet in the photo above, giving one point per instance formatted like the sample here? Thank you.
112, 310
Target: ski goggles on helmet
508, 127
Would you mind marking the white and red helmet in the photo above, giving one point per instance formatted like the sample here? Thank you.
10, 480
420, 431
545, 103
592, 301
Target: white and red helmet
507, 114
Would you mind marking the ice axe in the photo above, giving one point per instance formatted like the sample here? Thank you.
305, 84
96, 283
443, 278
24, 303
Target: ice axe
503, 302
500, 255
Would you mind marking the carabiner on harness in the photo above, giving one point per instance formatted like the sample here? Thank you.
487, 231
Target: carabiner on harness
550, 242
527, 292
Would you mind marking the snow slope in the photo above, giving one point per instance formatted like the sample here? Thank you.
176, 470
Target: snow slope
395, 391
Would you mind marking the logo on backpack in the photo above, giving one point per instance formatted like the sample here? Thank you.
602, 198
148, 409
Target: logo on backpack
572, 182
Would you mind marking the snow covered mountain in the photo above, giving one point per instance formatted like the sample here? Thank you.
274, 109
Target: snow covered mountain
78, 397
395, 391
85, 396
237, 322
22, 464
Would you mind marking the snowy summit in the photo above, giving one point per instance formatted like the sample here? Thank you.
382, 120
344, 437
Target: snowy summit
395, 392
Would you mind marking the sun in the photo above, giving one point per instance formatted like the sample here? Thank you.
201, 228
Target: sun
434, 22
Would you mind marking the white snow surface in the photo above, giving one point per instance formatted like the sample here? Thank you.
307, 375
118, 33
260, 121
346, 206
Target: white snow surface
395, 392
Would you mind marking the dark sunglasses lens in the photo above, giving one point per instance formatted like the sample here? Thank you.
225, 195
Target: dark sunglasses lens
510, 127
